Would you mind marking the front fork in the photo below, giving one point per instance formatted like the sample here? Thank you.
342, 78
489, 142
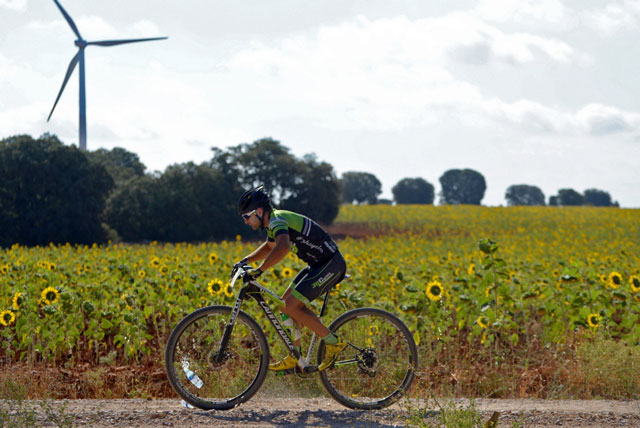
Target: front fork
228, 329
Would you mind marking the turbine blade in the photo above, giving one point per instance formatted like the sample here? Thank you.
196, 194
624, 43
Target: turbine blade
69, 20
72, 66
121, 42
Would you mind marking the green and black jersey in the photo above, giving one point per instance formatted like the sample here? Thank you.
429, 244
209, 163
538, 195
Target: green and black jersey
309, 241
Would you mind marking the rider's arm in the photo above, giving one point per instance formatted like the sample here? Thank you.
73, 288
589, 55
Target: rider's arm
279, 250
261, 252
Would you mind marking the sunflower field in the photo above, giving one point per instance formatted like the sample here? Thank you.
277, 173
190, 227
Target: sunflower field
478, 281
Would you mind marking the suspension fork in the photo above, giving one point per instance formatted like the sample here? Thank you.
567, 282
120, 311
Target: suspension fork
228, 329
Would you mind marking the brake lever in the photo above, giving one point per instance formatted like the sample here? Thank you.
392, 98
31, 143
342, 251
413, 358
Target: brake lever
235, 269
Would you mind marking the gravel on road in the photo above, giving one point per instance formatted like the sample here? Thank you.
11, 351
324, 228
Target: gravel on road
324, 412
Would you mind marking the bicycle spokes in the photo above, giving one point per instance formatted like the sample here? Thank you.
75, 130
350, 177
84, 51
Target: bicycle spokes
378, 367
205, 375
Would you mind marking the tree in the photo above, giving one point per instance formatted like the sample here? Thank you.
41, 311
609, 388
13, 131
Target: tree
360, 188
569, 197
524, 194
304, 185
462, 186
413, 191
121, 164
50, 192
317, 195
553, 201
188, 202
597, 198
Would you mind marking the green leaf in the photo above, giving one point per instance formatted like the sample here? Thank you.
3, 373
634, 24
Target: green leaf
106, 324
620, 295
514, 338
487, 246
148, 310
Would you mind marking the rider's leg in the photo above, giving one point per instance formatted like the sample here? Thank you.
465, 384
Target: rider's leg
297, 341
310, 283
297, 310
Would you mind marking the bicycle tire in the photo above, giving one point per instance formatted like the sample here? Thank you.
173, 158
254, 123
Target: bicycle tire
219, 386
382, 371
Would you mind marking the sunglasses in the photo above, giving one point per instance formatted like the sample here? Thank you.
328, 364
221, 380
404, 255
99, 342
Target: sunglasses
248, 215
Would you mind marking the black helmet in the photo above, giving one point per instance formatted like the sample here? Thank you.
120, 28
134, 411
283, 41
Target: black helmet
252, 199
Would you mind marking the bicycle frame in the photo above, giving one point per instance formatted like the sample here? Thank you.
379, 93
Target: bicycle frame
254, 290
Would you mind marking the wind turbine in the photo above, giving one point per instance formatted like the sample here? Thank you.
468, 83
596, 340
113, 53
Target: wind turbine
79, 58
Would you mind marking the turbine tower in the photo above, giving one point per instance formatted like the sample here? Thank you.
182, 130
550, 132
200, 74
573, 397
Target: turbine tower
79, 58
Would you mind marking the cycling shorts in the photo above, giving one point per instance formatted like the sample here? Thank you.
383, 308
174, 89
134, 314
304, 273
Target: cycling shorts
318, 278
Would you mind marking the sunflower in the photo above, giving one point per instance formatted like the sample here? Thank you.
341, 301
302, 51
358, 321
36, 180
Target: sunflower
594, 320
4, 269
6, 318
164, 269
215, 287
49, 295
471, 270
228, 291
213, 257
373, 330
52, 267
155, 262
287, 272
141, 273
17, 301
483, 321
434, 290
615, 279
634, 282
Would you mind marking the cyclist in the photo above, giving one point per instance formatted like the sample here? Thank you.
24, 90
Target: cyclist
288, 231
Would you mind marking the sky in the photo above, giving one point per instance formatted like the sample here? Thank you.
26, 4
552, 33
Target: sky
538, 92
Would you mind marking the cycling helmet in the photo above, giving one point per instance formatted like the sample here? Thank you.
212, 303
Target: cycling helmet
252, 199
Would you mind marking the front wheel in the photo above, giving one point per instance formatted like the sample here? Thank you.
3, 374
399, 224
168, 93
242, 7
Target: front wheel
200, 374
378, 365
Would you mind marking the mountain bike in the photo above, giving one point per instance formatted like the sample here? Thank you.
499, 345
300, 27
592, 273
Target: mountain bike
217, 357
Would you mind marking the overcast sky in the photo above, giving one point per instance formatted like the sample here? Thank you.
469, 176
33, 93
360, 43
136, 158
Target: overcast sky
540, 92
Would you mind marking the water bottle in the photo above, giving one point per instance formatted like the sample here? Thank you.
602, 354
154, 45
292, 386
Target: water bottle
193, 378
286, 320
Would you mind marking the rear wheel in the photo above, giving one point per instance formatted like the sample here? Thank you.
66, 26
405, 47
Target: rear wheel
378, 365
193, 367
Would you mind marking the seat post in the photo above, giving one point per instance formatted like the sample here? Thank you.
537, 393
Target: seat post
326, 296
324, 304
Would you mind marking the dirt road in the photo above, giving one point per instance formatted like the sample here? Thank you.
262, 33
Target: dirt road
324, 412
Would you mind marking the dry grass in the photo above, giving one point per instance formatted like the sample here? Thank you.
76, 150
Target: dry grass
582, 368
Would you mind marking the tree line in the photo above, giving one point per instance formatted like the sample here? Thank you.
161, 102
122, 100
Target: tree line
51, 192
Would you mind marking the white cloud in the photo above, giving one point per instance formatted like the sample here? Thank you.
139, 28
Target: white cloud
47, 26
613, 17
523, 11
17, 5
145, 28
95, 28
390, 74
600, 120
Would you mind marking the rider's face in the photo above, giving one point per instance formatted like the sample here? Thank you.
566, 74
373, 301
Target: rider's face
253, 220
